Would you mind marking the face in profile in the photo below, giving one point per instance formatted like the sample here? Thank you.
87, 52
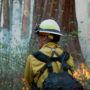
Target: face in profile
42, 39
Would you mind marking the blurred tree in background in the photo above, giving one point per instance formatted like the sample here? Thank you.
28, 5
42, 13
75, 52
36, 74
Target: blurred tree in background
1, 10
6, 14
25, 21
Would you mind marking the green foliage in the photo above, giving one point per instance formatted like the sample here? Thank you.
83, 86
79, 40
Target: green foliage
49, 14
54, 2
12, 66
74, 32
38, 7
81, 22
0, 29
61, 12
39, 15
72, 22
55, 9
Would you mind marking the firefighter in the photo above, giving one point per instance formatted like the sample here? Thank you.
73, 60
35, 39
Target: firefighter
49, 34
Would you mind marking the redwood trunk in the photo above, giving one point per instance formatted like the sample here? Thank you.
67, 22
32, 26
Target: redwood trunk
68, 22
25, 21
38, 10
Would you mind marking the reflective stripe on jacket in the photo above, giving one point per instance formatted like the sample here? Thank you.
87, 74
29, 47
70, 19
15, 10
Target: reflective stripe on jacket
34, 66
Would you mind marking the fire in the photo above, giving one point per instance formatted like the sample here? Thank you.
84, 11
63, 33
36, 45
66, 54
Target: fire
23, 80
25, 88
82, 72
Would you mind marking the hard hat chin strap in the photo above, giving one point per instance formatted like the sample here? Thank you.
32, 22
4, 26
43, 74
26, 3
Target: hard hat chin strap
50, 37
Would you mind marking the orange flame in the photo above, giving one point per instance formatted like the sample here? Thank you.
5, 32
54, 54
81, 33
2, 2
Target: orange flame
23, 80
82, 72
25, 88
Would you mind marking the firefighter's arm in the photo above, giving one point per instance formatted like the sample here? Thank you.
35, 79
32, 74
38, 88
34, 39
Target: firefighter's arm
28, 74
71, 63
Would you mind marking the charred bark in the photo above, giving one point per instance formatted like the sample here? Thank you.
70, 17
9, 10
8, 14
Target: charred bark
6, 15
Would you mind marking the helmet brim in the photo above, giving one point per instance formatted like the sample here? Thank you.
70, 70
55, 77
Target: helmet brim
50, 31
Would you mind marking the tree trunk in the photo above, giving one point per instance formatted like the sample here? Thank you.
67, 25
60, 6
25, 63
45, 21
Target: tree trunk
1, 4
11, 14
25, 20
52, 7
63, 11
37, 18
68, 23
38, 10
20, 9
6, 15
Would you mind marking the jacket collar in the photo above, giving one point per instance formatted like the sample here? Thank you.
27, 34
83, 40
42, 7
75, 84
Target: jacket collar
50, 44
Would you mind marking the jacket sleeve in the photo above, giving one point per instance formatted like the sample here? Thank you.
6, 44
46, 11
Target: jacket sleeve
71, 63
29, 73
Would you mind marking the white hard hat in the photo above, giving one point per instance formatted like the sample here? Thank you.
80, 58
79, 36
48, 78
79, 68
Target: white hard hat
49, 26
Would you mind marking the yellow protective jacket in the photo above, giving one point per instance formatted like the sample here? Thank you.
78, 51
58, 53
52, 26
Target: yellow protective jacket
33, 66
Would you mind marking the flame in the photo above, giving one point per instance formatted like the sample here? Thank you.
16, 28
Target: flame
82, 72
23, 80
23, 88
